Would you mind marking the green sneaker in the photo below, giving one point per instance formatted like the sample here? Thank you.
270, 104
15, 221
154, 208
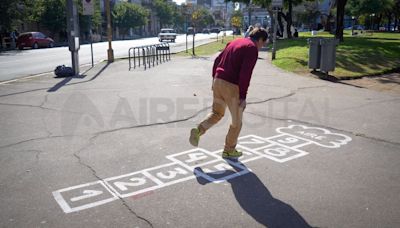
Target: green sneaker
231, 154
194, 136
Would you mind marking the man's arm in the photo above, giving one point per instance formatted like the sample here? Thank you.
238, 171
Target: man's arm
249, 61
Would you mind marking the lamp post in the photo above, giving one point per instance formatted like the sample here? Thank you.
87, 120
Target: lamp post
353, 18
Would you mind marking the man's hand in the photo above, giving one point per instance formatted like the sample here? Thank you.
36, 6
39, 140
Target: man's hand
242, 103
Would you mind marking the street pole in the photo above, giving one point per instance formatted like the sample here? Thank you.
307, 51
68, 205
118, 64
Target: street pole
186, 31
274, 38
91, 39
110, 52
194, 33
73, 34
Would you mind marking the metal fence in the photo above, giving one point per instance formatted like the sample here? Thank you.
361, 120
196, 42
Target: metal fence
149, 55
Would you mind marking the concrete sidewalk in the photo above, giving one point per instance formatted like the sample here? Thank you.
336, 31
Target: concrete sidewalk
110, 149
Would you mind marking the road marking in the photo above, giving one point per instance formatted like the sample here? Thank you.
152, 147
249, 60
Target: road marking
87, 194
199, 162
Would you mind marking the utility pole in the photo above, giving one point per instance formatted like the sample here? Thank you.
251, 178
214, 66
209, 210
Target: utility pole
110, 52
276, 5
73, 34
274, 37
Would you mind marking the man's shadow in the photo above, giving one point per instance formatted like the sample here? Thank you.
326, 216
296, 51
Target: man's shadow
254, 197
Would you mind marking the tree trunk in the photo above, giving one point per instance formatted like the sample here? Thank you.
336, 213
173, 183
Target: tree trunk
396, 21
389, 17
340, 4
289, 20
280, 15
379, 20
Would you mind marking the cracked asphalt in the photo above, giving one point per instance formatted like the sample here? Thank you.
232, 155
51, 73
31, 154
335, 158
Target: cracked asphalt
110, 149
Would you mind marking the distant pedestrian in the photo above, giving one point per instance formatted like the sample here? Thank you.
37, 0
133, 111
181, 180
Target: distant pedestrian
231, 74
296, 33
247, 33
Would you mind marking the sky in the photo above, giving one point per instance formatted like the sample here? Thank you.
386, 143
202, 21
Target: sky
179, 1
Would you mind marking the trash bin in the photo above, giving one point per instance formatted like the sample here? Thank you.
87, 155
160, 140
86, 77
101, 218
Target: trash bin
328, 54
314, 53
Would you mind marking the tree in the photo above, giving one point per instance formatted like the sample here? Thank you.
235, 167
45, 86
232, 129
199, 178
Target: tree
368, 7
13, 12
177, 17
95, 18
288, 4
201, 18
310, 14
236, 20
129, 15
52, 15
340, 11
396, 12
164, 12
248, 4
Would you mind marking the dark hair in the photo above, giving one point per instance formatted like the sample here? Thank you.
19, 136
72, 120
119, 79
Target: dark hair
259, 33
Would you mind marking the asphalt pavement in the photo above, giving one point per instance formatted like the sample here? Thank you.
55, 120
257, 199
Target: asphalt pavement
27, 62
110, 149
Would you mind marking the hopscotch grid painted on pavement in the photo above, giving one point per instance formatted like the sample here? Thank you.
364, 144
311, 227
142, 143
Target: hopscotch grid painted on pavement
199, 162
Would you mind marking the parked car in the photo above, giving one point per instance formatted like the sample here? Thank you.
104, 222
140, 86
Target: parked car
359, 27
34, 40
190, 30
167, 34
215, 30
206, 31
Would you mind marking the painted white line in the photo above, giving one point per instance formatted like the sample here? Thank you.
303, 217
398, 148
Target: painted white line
67, 209
301, 145
87, 194
129, 174
24, 78
343, 139
188, 164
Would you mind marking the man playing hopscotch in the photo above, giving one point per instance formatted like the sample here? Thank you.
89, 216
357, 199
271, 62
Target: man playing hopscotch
231, 78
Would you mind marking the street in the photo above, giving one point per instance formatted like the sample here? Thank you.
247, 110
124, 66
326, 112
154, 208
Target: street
111, 149
16, 64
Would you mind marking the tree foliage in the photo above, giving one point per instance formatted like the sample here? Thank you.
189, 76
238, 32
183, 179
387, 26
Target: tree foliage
165, 12
129, 15
95, 18
237, 19
51, 14
13, 12
201, 17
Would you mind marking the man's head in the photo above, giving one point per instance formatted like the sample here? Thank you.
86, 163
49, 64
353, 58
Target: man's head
259, 36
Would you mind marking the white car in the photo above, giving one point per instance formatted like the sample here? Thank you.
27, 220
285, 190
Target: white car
167, 34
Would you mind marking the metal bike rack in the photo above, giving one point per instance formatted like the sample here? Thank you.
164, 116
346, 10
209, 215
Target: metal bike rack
149, 54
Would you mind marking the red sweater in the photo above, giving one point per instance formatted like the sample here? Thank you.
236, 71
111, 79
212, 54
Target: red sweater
236, 62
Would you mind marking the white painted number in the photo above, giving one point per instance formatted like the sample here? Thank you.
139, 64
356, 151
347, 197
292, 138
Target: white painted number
288, 140
277, 152
87, 194
252, 141
136, 181
196, 157
172, 174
